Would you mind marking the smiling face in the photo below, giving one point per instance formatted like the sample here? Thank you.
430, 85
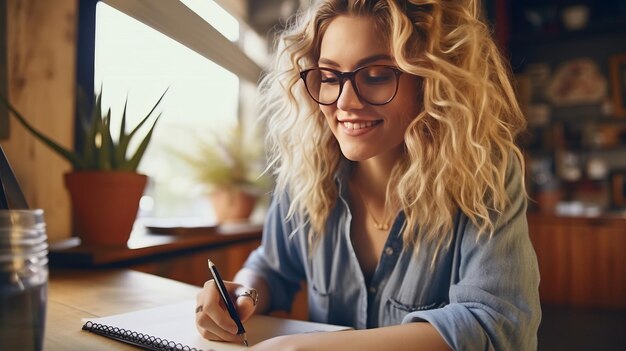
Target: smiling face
365, 131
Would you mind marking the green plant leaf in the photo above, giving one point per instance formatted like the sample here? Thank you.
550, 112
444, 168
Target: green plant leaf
70, 156
82, 112
134, 131
98, 150
104, 159
90, 149
133, 163
228, 159
123, 140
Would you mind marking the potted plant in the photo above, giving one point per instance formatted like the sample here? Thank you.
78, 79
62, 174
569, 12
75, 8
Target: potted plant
104, 185
231, 167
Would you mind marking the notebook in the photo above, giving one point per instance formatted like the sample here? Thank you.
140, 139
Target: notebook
172, 327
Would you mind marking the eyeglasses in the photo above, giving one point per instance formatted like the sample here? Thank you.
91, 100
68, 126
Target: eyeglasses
376, 85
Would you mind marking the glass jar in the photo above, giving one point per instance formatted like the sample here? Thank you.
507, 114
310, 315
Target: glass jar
23, 279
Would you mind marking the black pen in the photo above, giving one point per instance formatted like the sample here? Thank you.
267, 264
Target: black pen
227, 301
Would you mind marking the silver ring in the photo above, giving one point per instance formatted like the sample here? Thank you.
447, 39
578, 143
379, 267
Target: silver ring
251, 293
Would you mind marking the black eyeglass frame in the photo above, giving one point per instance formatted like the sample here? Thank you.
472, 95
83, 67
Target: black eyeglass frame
350, 76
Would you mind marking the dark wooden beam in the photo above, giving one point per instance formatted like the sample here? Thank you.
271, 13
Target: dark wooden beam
4, 113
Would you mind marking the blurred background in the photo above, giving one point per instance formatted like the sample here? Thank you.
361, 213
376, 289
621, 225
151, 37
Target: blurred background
569, 63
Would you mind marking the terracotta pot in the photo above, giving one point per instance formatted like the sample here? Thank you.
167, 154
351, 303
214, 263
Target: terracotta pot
232, 205
104, 205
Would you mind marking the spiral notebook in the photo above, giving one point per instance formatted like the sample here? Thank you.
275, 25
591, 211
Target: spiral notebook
172, 327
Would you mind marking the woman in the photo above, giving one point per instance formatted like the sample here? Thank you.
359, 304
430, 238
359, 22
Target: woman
399, 197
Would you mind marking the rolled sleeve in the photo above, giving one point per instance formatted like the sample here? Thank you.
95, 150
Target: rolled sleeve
494, 304
277, 259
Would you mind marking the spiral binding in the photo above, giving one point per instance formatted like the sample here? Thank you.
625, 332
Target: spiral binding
145, 341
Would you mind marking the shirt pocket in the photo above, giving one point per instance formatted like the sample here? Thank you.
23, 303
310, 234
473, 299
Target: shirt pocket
396, 310
319, 305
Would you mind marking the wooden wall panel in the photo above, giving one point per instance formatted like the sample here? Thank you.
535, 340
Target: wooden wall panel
552, 255
581, 260
41, 50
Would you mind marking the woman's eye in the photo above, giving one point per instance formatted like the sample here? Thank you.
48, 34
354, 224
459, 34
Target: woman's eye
329, 79
377, 78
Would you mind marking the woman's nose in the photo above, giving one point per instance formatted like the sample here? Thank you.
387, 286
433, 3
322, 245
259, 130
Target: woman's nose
348, 99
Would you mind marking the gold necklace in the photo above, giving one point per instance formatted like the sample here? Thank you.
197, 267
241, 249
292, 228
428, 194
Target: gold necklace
383, 226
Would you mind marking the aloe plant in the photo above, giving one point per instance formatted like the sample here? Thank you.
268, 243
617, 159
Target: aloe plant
98, 150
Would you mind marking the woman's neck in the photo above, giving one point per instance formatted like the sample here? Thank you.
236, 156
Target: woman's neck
370, 177
368, 188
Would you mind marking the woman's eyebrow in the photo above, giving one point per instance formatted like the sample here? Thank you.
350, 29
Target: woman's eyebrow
360, 63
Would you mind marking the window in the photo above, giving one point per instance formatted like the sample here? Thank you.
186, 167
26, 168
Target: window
135, 61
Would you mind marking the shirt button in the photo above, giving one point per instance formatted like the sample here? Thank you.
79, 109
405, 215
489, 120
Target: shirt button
372, 289
389, 250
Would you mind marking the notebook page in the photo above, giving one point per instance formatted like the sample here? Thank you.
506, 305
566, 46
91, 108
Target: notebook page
176, 322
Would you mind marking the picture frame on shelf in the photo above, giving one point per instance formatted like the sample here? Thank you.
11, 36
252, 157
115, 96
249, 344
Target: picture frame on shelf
617, 67
618, 188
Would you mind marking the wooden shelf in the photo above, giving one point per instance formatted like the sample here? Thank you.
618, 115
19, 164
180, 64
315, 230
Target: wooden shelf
144, 246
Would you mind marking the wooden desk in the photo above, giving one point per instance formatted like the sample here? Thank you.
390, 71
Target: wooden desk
73, 295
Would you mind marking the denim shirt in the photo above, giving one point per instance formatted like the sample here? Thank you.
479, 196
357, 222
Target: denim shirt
481, 293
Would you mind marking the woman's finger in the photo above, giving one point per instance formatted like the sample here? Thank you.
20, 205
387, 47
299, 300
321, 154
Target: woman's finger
216, 309
211, 331
213, 321
245, 302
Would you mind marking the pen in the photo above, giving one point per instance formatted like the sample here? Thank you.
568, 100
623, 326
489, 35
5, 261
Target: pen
227, 301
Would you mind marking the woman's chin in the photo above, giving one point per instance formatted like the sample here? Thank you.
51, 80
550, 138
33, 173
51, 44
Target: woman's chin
356, 155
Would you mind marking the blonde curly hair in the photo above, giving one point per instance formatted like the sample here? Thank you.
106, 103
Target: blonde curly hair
456, 149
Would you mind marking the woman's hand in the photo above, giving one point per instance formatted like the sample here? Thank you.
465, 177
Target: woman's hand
212, 319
